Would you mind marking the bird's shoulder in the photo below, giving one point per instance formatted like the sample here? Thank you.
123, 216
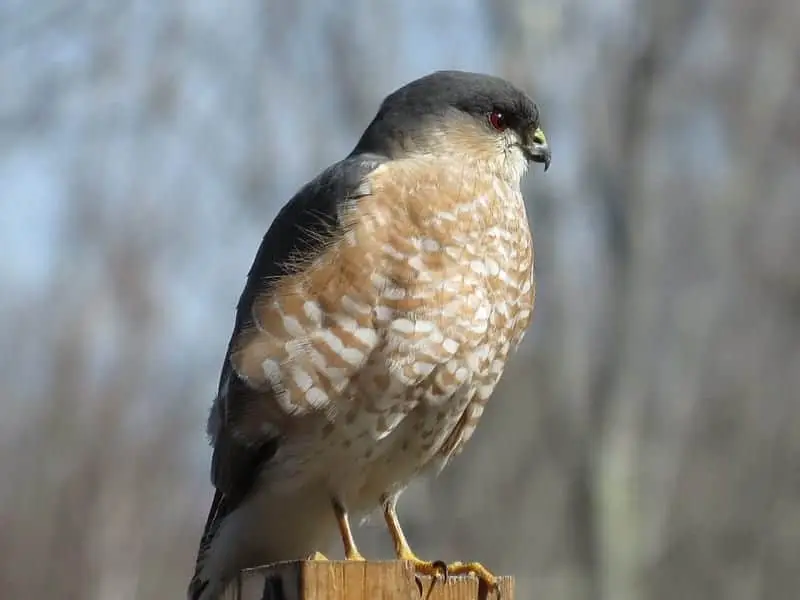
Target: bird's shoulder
307, 222
357, 192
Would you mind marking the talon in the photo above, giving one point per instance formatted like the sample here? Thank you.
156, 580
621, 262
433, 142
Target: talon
317, 556
443, 569
432, 568
436, 569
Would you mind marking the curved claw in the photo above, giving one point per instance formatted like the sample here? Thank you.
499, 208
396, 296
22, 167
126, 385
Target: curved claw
437, 568
442, 569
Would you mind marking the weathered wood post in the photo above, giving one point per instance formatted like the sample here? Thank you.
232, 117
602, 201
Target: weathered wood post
348, 580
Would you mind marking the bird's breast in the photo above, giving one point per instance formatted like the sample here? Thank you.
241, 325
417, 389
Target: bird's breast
452, 293
382, 353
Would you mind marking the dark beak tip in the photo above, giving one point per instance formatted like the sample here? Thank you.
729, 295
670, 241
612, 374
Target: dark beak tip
543, 156
540, 153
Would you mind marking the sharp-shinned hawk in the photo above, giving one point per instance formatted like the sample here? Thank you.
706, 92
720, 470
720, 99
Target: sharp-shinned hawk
376, 320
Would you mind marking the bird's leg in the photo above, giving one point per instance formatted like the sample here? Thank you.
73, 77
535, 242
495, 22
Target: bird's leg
350, 550
424, 567
401, 547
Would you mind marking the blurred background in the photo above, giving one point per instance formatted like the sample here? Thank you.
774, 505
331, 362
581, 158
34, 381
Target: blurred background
645, 442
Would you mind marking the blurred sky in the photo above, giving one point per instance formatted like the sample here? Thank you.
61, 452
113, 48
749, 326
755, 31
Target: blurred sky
645, 424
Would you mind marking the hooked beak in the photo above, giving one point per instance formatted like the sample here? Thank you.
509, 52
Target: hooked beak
538, 150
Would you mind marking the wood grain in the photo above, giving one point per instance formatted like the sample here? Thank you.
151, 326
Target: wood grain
349, 580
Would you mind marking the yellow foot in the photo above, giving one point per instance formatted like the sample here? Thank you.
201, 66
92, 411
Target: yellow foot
478, 570
436, 568
317, 556
441, 569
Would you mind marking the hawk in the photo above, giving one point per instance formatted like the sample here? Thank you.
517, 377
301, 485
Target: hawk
375, 322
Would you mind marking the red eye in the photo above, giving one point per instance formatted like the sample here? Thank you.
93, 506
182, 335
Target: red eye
498, 120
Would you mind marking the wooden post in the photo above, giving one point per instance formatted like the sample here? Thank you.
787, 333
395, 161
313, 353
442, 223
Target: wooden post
350, 580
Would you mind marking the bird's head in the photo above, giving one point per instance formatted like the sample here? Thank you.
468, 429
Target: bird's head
482, 120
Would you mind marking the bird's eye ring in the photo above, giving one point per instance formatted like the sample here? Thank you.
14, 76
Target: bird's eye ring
498, 120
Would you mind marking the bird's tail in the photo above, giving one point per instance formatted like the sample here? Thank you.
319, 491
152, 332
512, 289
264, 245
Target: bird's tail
201, 586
